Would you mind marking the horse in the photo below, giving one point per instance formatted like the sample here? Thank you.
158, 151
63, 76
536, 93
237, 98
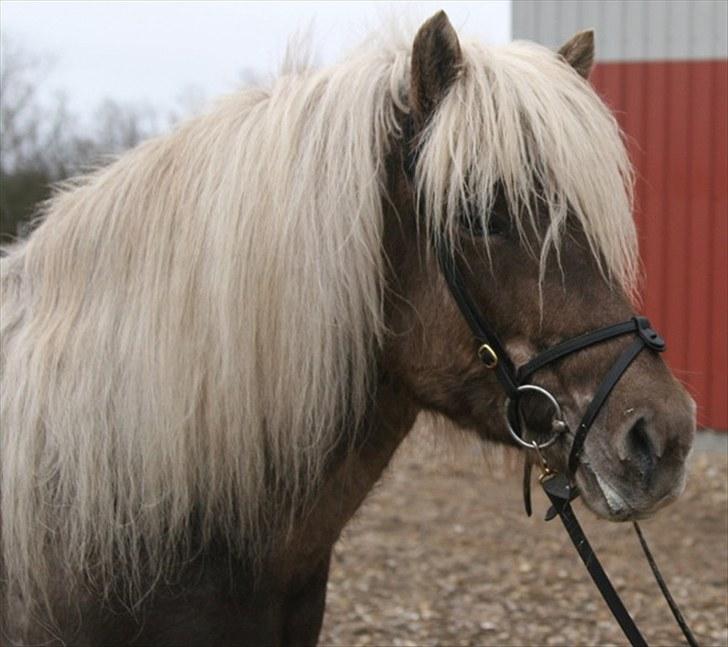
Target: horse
213, 346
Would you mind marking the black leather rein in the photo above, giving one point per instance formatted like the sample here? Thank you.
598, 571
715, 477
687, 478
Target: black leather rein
560, 488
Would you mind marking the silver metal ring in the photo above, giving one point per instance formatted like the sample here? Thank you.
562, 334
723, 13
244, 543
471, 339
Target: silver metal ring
559, 424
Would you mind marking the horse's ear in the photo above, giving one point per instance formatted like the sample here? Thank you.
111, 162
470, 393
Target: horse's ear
578, 52
436, 63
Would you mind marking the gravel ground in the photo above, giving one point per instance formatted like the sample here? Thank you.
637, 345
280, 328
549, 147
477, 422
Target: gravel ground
442, 554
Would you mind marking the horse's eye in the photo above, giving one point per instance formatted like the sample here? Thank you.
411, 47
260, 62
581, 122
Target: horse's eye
496, 226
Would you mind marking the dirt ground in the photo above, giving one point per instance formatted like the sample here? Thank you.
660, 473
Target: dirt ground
443, 554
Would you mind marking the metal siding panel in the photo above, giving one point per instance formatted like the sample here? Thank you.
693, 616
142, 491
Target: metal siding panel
633, 124
523, 19
675, 116
653, 189
634, 30
611, 27
549, 24
719, 23
703, 32
698, 266
676, 230
536, 12
589, 13
579, 17
520, 19
676, 29
540, 10
536, 26
611, 88
709, 29
679, 19
719, 233
658, 37
568, 23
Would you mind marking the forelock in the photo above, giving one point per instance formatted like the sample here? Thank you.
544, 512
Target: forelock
520, 118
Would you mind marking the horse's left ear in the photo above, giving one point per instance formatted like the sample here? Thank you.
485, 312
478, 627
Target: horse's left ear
436, 63
578, 52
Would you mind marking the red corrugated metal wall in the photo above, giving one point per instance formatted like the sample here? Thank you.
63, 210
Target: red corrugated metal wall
675, 116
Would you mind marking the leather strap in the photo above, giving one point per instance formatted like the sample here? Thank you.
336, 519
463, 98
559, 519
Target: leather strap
575, 343
602, 393
560, 499
504, 369
665, 591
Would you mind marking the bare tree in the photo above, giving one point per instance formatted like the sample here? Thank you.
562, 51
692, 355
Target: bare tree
42, 141
21, 73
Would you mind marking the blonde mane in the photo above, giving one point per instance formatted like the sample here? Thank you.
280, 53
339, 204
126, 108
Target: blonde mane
189, 330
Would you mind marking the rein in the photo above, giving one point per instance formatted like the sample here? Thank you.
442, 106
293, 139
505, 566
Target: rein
560, 487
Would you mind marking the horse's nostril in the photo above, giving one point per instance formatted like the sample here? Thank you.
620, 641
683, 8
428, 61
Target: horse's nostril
641, 451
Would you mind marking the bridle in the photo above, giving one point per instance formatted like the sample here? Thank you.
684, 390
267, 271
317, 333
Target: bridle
560, 487
516, 382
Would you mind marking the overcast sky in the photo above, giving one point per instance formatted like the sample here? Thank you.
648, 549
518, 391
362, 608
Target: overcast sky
154, 52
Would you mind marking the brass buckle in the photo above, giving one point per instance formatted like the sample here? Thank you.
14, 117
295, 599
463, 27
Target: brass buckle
487, 355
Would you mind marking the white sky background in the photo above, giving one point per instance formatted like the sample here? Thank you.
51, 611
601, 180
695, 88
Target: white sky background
155, 53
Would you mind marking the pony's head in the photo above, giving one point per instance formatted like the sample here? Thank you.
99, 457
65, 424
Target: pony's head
510, 159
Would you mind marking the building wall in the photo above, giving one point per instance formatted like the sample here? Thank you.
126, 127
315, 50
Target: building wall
663, 68
630, 30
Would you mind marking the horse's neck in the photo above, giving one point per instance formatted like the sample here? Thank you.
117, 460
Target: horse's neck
349, 481
352, 475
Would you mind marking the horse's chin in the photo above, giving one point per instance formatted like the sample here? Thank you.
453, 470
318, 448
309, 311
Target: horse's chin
621, 502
